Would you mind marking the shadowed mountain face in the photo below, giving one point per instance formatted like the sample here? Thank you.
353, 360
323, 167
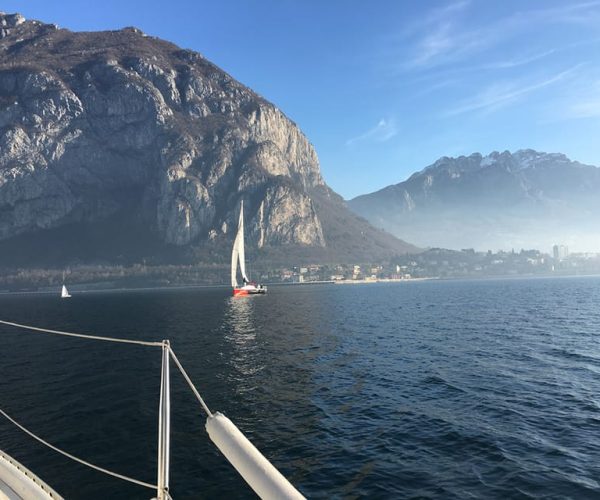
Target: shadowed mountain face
123, 144
522, 200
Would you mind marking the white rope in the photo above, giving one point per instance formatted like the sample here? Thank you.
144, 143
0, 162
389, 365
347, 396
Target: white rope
72, 457
107, 339
80, 335
188, 380
113, 339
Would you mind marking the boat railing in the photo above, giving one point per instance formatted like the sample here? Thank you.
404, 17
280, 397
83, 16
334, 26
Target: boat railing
257, 471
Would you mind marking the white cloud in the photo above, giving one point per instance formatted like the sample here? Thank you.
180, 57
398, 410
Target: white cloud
499, 95
382, 132
434, 45
448, 40
584, 101
434, 16
585, 109
442, 36
518, 61
577, 13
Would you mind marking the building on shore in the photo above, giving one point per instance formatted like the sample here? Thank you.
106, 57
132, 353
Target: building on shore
560, 252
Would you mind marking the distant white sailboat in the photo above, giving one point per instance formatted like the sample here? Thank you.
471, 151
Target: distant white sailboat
64, 293
238, 256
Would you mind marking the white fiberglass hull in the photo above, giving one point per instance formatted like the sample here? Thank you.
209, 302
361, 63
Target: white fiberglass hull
250, 290
17, 482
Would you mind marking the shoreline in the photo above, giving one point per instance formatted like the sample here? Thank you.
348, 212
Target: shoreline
83, 289
381, 280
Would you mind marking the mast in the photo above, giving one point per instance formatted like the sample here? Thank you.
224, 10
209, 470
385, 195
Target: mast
164, 427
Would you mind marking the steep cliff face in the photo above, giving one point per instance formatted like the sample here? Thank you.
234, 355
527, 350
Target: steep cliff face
120, 124
525, 199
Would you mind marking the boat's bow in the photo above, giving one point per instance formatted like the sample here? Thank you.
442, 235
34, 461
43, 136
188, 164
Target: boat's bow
18, 482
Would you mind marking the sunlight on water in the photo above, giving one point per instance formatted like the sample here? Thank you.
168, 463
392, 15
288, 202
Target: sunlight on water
433, 389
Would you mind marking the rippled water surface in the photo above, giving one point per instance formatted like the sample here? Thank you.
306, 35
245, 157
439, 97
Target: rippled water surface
472, 389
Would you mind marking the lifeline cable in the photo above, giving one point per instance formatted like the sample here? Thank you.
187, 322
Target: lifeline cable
114, 339
81, 335
106, 339
81, 461
188, 380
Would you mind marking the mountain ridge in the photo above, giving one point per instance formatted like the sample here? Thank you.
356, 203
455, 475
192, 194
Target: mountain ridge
121, 125
525, 199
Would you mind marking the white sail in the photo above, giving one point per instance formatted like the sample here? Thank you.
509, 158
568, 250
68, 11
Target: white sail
238, 254
64, 292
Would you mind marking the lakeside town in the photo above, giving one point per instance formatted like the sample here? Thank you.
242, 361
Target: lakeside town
440, 263
433, 263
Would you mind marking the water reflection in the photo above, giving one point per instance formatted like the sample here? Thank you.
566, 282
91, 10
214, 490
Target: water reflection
239, 316
240, 332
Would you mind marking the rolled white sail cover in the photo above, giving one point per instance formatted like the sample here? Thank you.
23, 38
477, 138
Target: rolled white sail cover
241, 250
238, 253
267, 482
234, 261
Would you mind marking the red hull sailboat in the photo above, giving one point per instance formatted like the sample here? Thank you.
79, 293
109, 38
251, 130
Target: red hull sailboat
238, 257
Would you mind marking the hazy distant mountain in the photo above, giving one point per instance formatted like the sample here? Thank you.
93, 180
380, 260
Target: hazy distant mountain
526, 199
120, 145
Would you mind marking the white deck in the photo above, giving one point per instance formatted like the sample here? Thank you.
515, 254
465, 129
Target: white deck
17, 482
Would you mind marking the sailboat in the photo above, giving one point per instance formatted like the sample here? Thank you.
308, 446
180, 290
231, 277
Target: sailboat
238, 256
64, 293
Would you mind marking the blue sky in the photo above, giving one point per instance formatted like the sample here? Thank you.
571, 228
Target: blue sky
384, 88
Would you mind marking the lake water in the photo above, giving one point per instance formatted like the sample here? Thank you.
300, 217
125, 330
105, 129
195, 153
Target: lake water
440, 389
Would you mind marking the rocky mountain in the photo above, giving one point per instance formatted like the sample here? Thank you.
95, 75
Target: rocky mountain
525, 199
121, 145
